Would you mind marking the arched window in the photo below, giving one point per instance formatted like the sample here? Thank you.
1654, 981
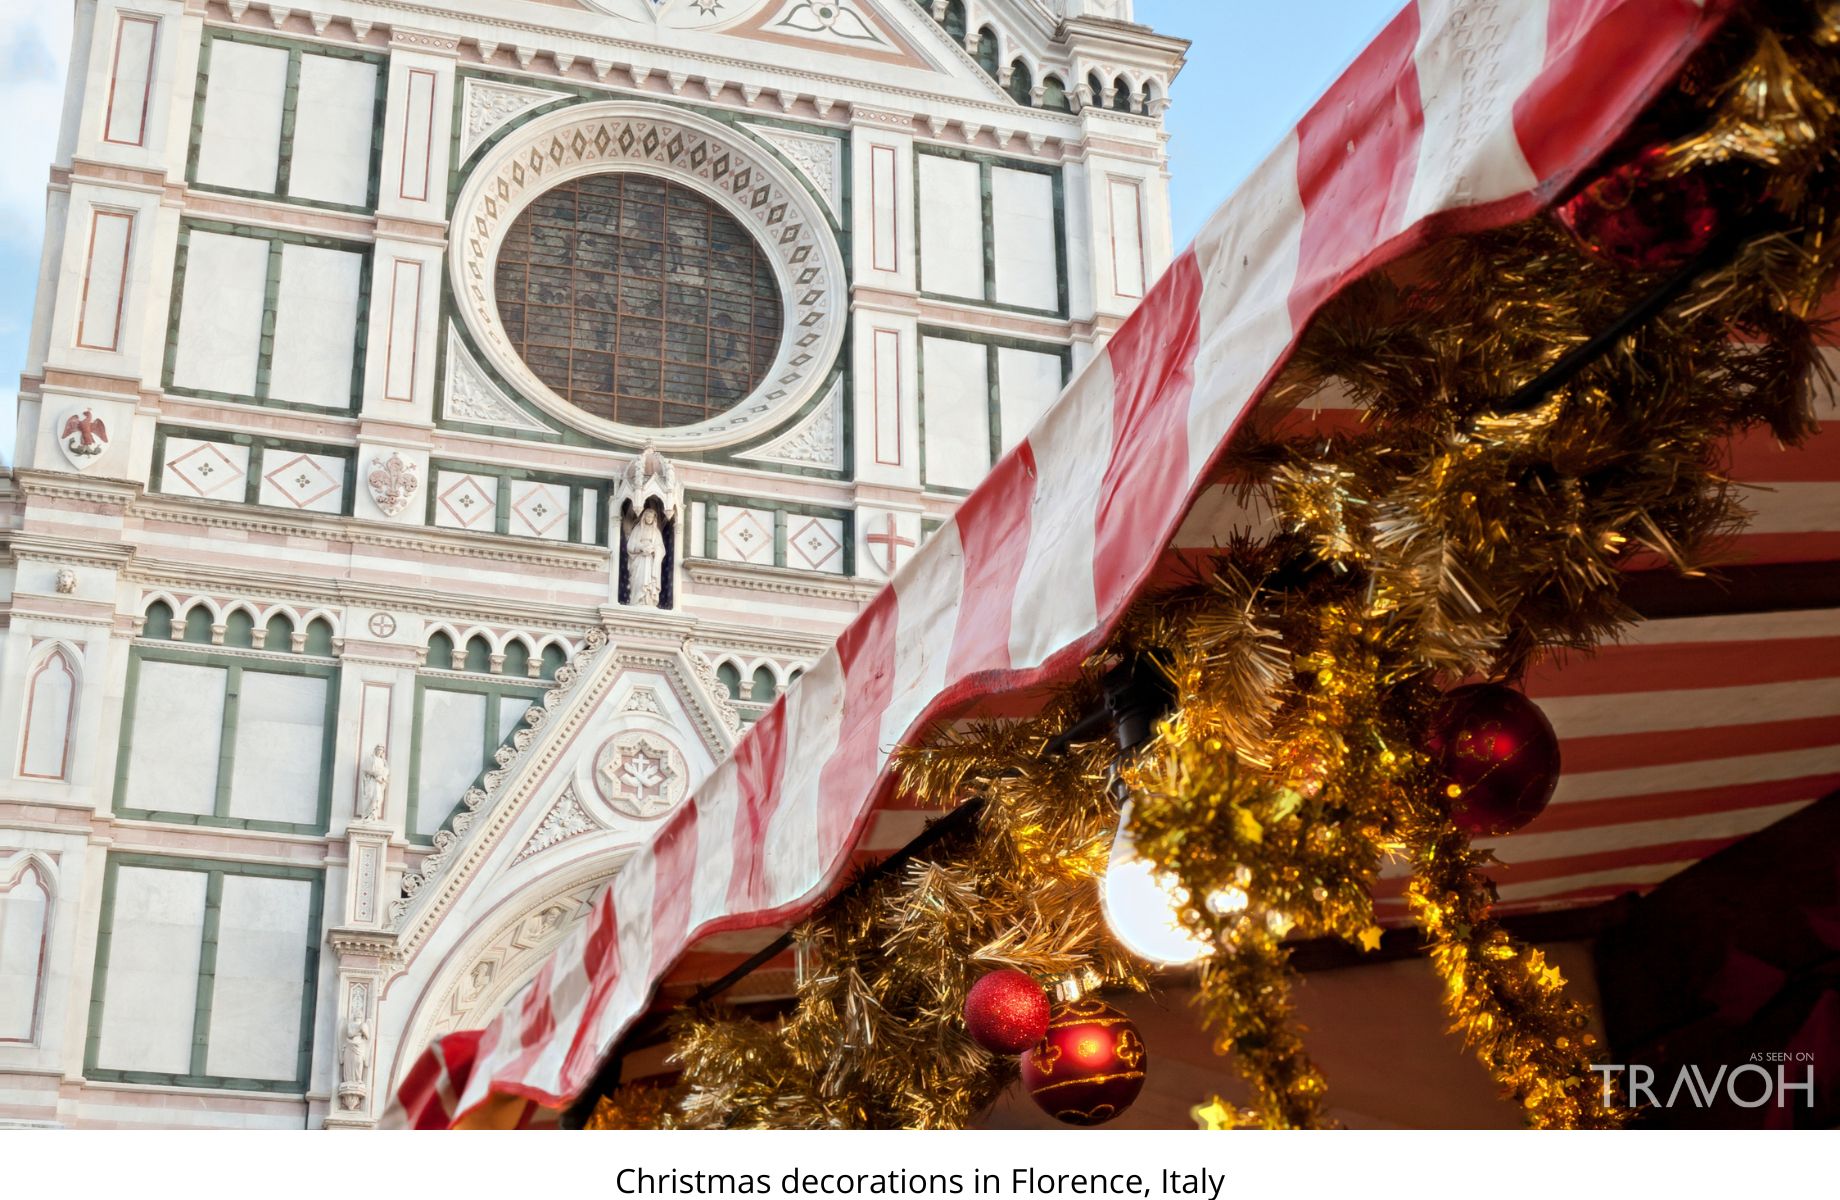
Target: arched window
1097, 86
441, 652
25, 922
1153, 92
198, 625
319, 637
158, 622
729, 676
987, 51
51, 712
956, 24
553, 658
478, 654
764, 689
239, 629
280, 635
1121, 98
517, 658
1054, 94
1021, 83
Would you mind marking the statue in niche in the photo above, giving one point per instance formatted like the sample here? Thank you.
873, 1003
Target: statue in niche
376, 783
645, 560
354, 1058
647, 498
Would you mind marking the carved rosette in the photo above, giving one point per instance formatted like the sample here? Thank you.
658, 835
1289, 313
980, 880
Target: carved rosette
640, 774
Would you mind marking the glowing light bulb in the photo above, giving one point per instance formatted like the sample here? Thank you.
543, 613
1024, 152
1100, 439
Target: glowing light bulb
1229, 900
1142, 905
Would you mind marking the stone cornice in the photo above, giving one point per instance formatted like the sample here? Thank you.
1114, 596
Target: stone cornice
1124, 34
779, 581
114, 387
138, 179
387, 654
279, 214
550, 52
382, 945
408, 229
419, 538
89, 489
778, 643
39, 547
426, 43
52, 608
863, 114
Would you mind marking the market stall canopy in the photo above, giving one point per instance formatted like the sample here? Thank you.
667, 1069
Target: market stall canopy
1460, 116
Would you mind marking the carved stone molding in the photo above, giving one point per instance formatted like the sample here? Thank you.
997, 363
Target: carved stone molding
491, 965
340, 529
861, 114
427, 43
471, 394
566, 819
472, 832
487, 106
818, 158
781, 581
816, 441
718, 695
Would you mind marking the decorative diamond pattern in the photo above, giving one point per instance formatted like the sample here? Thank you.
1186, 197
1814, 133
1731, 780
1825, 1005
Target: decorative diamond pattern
310, 482
744, 535
816, 546
540, 510
207, 469
466, 501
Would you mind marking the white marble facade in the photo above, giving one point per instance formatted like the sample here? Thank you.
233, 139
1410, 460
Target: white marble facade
346, 656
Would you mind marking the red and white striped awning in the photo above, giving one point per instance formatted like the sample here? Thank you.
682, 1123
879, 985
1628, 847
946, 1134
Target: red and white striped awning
1460, 116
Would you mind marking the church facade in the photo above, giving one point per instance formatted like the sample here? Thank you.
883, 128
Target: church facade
445, 427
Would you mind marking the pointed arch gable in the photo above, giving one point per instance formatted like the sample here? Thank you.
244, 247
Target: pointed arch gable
149, 599
320, 614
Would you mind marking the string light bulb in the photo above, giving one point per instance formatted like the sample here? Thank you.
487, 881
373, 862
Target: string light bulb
1142, 905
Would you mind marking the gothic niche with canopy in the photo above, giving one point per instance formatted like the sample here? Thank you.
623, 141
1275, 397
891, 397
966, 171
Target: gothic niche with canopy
647, 498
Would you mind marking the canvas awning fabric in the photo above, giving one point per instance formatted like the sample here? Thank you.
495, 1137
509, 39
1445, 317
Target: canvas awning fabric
1461, 115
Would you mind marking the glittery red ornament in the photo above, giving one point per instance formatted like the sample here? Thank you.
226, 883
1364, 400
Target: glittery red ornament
1089, 1067
1006, 1012
1498, 756
1638, 217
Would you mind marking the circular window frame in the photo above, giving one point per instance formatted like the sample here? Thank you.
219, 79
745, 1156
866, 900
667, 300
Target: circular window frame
785, 220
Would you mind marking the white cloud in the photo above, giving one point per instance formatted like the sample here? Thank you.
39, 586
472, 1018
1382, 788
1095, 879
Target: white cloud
34, 56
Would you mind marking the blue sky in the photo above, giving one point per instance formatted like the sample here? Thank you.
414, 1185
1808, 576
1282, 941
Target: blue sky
1255, 66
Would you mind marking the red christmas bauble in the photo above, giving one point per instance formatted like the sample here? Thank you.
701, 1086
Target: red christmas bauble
1498, 757
1089, 1067
1006, 1012
1638, 217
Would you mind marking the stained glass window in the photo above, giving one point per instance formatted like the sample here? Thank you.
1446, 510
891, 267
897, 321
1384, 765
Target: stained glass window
638, 300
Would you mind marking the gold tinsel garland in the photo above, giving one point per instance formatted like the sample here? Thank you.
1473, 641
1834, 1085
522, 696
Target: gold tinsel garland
1438, 541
